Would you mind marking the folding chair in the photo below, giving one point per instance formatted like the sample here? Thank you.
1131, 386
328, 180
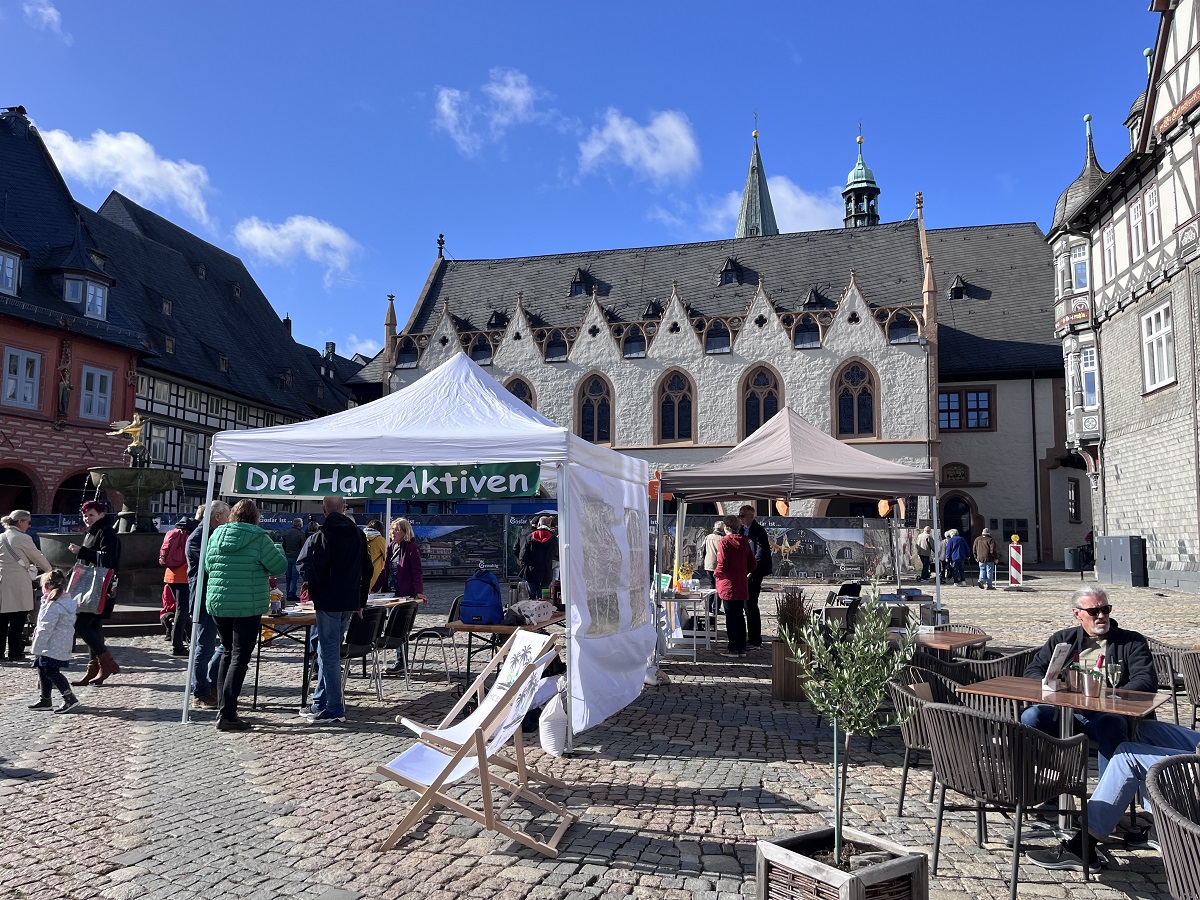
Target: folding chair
362, 640
446, 755
441, 634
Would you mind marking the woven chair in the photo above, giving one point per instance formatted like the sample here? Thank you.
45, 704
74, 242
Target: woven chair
1174, 788
1000, 764
957, 672
971, 651
1189, 667
915, 690
1013, 664
1168, 668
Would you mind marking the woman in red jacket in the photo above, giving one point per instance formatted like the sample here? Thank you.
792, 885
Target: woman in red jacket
735, 562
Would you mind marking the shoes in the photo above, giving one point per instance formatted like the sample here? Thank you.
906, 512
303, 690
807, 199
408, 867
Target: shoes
394, 669
69, 703
203, 702
1068, 855
179, 651
44, 703
325, 716
750, 647
232, 725
108, 666
309, 711
981, 585
17, 658
991, 587
1147, 839
729, 655
93, 670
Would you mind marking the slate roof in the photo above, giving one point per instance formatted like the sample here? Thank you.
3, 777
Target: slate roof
756, 216
1004, 324
1081, 188
886, 260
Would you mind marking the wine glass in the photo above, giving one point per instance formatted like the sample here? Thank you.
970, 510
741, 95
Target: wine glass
1112, 674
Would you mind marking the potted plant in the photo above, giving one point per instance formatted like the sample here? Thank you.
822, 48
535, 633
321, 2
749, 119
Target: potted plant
844, 677
793, 610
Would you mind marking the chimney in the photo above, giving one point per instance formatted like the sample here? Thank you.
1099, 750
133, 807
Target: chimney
330, 347
287, 323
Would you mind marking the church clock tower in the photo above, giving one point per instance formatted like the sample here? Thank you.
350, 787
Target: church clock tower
861, 194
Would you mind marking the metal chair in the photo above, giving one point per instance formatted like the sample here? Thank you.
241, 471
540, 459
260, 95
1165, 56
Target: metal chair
395, 634
1189, 666
971, 651
362, 640
441, 635
1013, 664
1000, 764
1168, 668
1173, 785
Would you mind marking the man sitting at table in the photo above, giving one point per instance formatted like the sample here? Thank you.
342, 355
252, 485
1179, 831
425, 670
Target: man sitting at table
1124, 777
337, 568
1096, 635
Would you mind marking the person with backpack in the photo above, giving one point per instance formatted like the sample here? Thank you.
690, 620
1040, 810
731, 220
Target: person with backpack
538, 558
172, 556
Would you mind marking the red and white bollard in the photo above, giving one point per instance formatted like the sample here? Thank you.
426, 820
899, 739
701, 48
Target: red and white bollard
1015, 572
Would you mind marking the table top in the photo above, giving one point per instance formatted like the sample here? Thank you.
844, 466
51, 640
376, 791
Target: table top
281, 621
1127, 703
505, 629
950, 640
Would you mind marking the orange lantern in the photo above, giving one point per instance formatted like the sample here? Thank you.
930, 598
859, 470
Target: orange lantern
885, 507
781, 506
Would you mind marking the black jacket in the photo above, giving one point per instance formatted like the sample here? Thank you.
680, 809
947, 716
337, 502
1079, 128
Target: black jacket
102, 547
336, 566
293, 542
538, 556
760, 543
1130, 648
192, 551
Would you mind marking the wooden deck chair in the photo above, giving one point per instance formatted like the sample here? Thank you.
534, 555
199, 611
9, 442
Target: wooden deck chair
443, 757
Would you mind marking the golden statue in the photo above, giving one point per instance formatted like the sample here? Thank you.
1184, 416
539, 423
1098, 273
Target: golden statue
136, 451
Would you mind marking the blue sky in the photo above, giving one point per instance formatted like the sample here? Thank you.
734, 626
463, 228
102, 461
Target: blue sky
329, 144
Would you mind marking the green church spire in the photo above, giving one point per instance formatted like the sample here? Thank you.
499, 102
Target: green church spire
757, 216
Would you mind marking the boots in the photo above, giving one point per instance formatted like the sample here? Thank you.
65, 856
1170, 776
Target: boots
108, 666
44, 703
93, 670
69, 703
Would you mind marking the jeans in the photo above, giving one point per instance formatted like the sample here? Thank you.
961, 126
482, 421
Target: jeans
956, 571
50, 677
926, 566
181, 628
987, 573
1126, 772
735, 624
293, 579
12, 625
208, 655
330, 630
753, 619
88, 626
1106, 730
239, 634
535, 588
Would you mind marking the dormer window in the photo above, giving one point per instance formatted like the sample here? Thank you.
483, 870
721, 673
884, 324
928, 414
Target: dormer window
237, 289
224, 363
731, 273
958, 288
9, 272
407, 354
201, 271
169, 344
97, 301
73, 290
580, 284
167, 307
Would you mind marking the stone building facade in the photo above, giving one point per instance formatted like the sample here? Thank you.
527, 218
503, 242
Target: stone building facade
1126, 254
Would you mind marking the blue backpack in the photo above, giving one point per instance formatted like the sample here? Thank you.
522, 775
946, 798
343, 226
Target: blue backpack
481, 603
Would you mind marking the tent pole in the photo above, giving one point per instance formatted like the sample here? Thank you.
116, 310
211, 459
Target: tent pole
896, 531
937, 548
660, 635
194, 601
387, 521
565, 524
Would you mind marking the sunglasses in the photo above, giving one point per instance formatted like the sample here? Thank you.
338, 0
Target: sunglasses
1094, 611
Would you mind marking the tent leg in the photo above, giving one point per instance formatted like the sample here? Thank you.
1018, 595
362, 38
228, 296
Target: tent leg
197, 600
565, 525
937, 548
660, 637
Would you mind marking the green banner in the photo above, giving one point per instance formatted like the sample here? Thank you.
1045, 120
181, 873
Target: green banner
488, 481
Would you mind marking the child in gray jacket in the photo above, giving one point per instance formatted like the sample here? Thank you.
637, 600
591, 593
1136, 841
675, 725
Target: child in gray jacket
52, 641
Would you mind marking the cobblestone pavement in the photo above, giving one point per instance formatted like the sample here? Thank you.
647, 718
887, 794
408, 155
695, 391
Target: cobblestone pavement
122, 801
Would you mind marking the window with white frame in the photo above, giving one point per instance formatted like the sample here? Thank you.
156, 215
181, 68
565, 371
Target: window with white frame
95, 400
1079, 267
158, 443
1110, 253
1064, 274
192, 399
97, 301
1087, 373
191, 449
73, 290
1153, 217
243, 414
143, 386
1158, 347
9, 270
162, 391
1137, 236
21, 377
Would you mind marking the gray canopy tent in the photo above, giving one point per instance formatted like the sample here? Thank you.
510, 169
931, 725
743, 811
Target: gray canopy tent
789, 459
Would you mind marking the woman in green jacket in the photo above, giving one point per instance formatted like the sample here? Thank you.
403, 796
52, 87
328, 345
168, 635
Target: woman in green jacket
239, 560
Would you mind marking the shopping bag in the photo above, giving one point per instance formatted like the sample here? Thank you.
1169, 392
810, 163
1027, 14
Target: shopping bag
89, 586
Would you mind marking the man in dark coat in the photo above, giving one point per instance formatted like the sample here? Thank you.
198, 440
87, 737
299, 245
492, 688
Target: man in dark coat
335, 565
207, 663
760, 543
1096, 639
293, 543
538, 556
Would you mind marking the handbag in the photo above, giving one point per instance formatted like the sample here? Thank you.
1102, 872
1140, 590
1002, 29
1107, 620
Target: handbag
89, 585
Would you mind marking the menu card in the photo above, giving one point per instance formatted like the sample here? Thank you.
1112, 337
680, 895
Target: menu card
1054, 680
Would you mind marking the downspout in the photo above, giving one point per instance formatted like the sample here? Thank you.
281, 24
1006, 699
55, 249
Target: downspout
1037, 499
1195, 426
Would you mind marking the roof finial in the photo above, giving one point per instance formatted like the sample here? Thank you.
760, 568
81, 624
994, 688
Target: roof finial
1149, 54
755, 132
441, 246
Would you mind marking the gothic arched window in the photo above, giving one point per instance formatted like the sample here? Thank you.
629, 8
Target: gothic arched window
716, 338
481, 350
902, 329
676, 398
760, 399
633, 345
594, 409
555, 349
407, 354
520, 389
807, 334
854, 396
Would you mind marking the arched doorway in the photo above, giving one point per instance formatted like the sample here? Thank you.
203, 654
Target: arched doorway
958, 512
72, 493
16, 491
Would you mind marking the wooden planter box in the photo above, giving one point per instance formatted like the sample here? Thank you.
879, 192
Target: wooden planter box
785, 674
784, 872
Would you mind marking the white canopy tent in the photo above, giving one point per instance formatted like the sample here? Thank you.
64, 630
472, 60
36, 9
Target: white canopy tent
790, 459
459, 416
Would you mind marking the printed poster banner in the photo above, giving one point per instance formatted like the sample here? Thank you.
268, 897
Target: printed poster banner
483, 481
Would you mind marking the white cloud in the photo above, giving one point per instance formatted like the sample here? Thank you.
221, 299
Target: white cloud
662, 150
799, 210
365, 346
511, 100
128, 163
299, 236
44, 16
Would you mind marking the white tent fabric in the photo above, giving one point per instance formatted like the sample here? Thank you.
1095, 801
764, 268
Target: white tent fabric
790, 459
459, 414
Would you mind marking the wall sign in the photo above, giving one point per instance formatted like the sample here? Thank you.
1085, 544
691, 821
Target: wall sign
487, 481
